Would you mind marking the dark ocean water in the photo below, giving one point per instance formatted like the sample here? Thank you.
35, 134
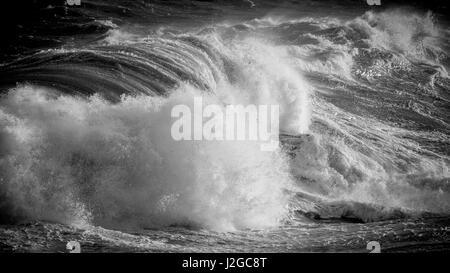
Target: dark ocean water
86, 152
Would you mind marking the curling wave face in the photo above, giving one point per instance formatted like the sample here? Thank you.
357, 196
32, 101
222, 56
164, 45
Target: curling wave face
85, 136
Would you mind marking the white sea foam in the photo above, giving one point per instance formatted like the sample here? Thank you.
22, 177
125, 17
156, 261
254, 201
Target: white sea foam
117, 165
86, 160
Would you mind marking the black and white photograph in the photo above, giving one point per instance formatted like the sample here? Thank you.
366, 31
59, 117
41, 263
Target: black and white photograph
224, 126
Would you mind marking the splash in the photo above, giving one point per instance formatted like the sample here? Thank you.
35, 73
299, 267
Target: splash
399, 30
116, 164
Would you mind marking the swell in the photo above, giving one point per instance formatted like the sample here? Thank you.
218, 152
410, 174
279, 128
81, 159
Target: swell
152, 67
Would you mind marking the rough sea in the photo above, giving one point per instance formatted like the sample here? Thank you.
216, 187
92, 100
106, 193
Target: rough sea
85, 147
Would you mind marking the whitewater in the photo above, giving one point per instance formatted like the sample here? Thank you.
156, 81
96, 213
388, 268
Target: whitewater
86, 151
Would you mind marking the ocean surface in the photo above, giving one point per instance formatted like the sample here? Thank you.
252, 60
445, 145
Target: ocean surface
85, 147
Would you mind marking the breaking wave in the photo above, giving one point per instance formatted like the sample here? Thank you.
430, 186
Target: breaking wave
85, 136
84, 159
